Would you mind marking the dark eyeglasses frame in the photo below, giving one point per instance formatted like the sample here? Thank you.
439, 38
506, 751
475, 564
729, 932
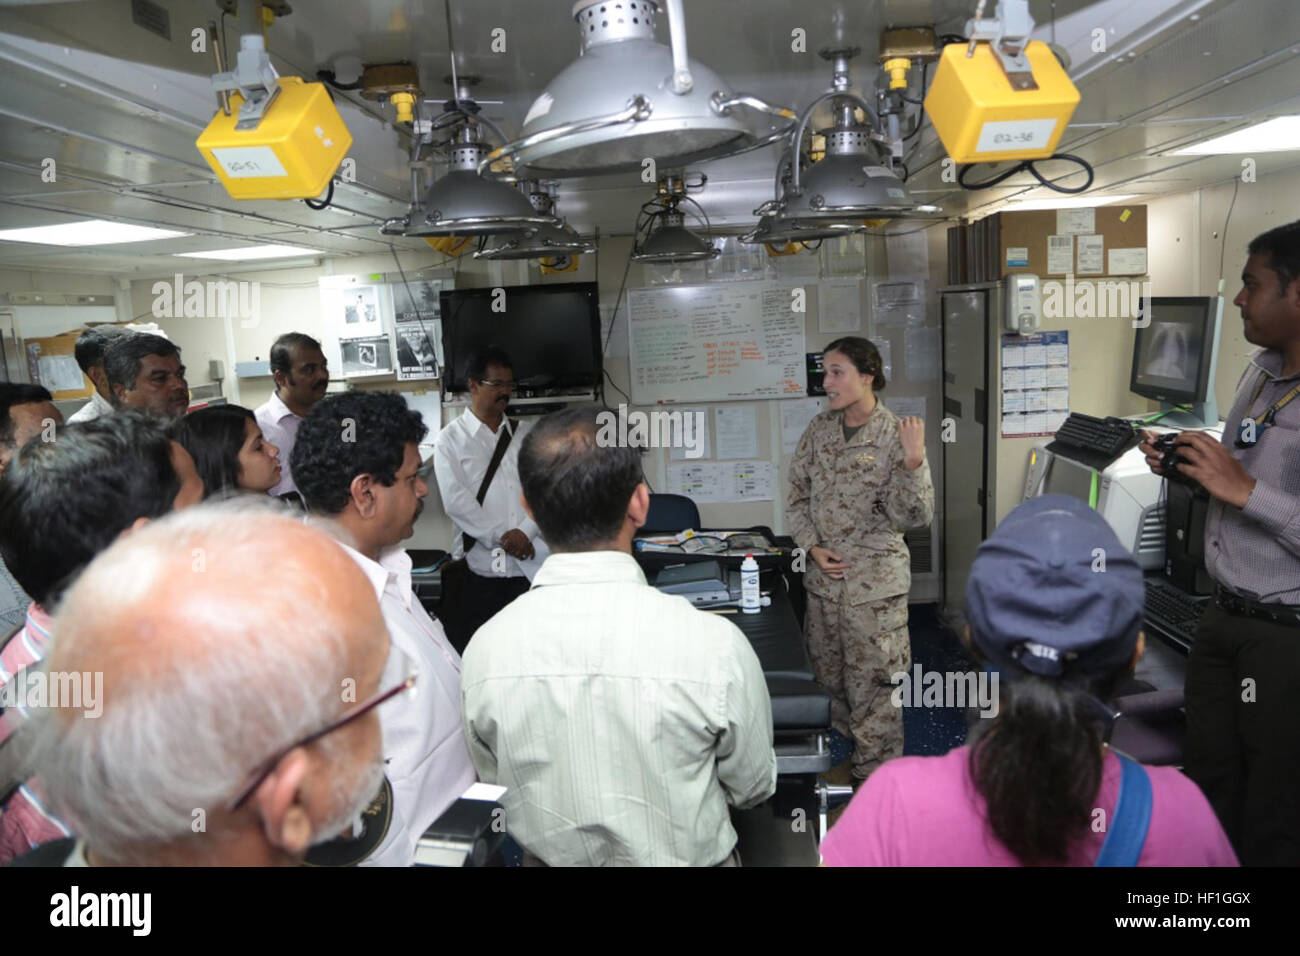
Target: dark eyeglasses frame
361, 709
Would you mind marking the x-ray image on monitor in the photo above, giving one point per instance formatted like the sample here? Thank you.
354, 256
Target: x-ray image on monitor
1167, 359
1171, 353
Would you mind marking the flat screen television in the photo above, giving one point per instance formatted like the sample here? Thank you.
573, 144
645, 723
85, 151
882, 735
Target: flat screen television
551, 333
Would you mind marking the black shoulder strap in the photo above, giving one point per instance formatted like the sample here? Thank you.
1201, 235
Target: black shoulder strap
503, 442
54, 853
4, 641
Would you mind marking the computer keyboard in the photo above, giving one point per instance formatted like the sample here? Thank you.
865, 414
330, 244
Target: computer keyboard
1107, 436
1174, 611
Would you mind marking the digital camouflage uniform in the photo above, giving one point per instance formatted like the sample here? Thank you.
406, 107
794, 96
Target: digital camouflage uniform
856, 499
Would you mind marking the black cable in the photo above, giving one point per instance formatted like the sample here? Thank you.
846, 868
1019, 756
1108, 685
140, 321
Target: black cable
613, 317
948, 38
1224, 248
920, 116
324, 203
1028, 166
903, 167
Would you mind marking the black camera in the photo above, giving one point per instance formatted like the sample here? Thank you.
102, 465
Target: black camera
1170, 459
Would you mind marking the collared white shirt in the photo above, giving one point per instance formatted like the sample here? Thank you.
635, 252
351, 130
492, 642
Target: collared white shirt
461, 457
425, 756
279, 427
97, 407
622, 721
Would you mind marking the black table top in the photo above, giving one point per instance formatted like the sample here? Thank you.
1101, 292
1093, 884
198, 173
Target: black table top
774, 632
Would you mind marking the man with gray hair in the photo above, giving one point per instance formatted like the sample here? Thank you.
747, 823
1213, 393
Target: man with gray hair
239, 653
144, 371
89, 351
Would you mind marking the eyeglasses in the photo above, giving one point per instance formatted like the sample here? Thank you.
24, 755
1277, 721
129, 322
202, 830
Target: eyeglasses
496, 383
360, 710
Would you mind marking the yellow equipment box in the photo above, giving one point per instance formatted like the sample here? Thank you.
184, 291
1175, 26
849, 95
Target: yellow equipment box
292, 154
981, 119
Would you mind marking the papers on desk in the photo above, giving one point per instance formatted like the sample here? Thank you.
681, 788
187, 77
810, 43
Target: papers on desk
736, 543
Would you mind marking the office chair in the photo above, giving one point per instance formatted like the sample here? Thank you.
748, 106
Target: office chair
1151, 727
671, 513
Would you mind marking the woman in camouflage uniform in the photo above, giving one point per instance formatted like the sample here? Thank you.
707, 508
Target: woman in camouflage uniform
858, 480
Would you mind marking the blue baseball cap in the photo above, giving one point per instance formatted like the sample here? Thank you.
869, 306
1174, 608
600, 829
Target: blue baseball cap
1039, 602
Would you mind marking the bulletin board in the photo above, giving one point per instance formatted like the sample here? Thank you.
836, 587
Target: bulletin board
717, 343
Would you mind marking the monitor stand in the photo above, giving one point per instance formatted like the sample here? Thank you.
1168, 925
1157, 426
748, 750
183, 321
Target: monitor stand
1203, 414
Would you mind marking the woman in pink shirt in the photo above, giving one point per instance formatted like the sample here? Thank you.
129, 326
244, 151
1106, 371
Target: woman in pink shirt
1037, 784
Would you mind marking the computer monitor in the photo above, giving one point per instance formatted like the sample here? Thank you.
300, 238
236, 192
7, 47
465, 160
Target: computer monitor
1175, 353
1073, 478
1125, 493
551, 333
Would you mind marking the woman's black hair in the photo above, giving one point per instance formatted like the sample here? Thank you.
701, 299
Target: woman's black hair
1038, 764
864, 356
213, 436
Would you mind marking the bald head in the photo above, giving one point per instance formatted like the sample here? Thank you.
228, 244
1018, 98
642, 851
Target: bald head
583, 487
223, 634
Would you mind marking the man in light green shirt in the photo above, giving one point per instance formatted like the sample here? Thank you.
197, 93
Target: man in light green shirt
624, 722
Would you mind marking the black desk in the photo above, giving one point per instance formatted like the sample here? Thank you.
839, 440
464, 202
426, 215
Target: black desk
775, 633
799, 704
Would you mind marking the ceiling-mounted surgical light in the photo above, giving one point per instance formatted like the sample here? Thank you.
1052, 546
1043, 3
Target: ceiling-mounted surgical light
666, 238
627, 99
777, 230
556, 238
463, 203
849, 183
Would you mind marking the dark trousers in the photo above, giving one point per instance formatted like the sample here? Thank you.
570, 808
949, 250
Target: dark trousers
469, 601
1243, 732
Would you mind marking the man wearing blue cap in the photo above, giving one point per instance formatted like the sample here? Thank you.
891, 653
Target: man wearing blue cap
1055, 604
1243, 676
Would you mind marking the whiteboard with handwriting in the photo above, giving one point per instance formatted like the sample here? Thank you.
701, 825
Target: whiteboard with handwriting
716, 343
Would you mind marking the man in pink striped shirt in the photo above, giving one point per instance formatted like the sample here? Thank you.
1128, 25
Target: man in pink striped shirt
61, 503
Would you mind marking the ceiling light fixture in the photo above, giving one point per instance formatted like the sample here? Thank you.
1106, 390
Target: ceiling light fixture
461, 203
1025, 205
88, 232
556, 238
1277, 135
246, 253
849, 183
627, 99
661, 233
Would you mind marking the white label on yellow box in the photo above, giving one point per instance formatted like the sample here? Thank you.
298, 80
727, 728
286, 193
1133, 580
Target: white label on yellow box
249, 162
1008, 135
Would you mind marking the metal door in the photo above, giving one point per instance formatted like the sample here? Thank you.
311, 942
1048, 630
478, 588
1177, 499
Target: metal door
965, 447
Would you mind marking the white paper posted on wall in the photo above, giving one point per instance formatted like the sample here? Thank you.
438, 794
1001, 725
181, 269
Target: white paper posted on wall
795, 417
722, 481
1035, 383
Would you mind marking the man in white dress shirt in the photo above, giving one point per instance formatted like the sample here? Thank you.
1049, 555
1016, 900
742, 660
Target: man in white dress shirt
301, 377
357, 462
89, 351
622, 721
506, 547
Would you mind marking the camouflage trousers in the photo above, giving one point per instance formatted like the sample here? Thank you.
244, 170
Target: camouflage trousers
854, 651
